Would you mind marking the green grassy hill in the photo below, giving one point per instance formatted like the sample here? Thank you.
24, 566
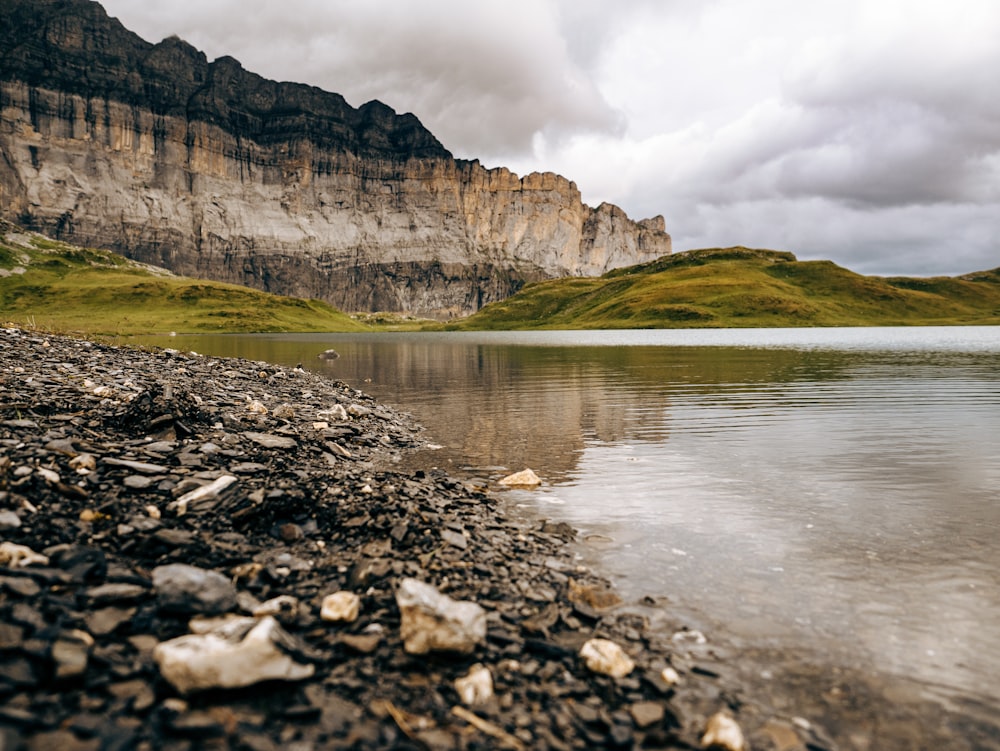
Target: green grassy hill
54, 286
742, 287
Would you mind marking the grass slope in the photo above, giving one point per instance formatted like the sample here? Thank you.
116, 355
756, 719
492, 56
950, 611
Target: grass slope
742, 287
55, 286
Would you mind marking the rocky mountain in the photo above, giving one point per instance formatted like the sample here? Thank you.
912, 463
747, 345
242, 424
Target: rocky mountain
209, 170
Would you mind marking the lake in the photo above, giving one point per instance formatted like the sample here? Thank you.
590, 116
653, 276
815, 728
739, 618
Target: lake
836, 490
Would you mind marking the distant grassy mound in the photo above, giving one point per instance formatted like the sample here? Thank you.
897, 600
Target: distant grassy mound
742, 287
59, 287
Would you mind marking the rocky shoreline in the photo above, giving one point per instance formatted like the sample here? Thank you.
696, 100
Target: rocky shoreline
277, 485
216, 553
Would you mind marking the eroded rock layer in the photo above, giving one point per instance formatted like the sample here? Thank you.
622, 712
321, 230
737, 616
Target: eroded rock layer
209, 170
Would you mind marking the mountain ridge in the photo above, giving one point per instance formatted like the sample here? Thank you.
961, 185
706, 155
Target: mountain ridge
107, 140
77, 48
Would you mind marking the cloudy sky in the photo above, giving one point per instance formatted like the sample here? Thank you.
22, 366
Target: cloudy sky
864, 131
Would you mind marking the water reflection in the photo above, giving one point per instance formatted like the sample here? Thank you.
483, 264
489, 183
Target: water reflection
842, 495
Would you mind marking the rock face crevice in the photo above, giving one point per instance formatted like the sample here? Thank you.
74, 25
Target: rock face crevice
209, 170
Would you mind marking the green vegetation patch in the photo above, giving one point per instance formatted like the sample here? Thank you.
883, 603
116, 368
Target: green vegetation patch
82, 290
743, 287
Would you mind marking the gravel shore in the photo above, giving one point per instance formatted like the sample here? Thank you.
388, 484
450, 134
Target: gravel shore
276, 489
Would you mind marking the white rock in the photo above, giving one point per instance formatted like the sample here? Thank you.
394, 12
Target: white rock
205, 492
340, 607
280, 606
689, 637
525, 478
256, 407
670, 676
50, 477
607, 658
432, 622
476, 687
240, 653
723, 733
336, 412
83, 463
19, 556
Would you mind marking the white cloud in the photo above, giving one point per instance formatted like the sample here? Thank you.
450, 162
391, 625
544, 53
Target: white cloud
866, 131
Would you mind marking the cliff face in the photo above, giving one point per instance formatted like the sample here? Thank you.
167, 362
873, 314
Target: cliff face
107, 140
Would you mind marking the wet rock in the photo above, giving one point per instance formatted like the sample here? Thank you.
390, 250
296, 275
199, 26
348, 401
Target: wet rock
139, 692
689, 638
107, 594
181, 588
174, 538
525, 478
143, 467
593, 597
431, 621
607, 658
723, 733
340, 607
270, 441
9, 520
106, 620
70, 652
362, 643
17, 671
456, 539
782, 737
647, 713
240, 653
284, 412
562, 530
137, 482
543, 620
23, 587
357, 410
476, 687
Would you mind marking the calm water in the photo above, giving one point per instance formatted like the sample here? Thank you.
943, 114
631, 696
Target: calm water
836, 489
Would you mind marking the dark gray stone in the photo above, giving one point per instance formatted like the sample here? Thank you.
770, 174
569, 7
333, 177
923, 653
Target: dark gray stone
181, 588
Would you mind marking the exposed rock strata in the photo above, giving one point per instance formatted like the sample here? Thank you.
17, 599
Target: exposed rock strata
212, 171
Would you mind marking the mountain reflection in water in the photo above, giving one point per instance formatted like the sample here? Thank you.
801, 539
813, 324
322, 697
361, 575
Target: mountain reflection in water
831, 489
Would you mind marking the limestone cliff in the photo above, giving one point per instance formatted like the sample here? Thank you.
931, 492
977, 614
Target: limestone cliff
209, 170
